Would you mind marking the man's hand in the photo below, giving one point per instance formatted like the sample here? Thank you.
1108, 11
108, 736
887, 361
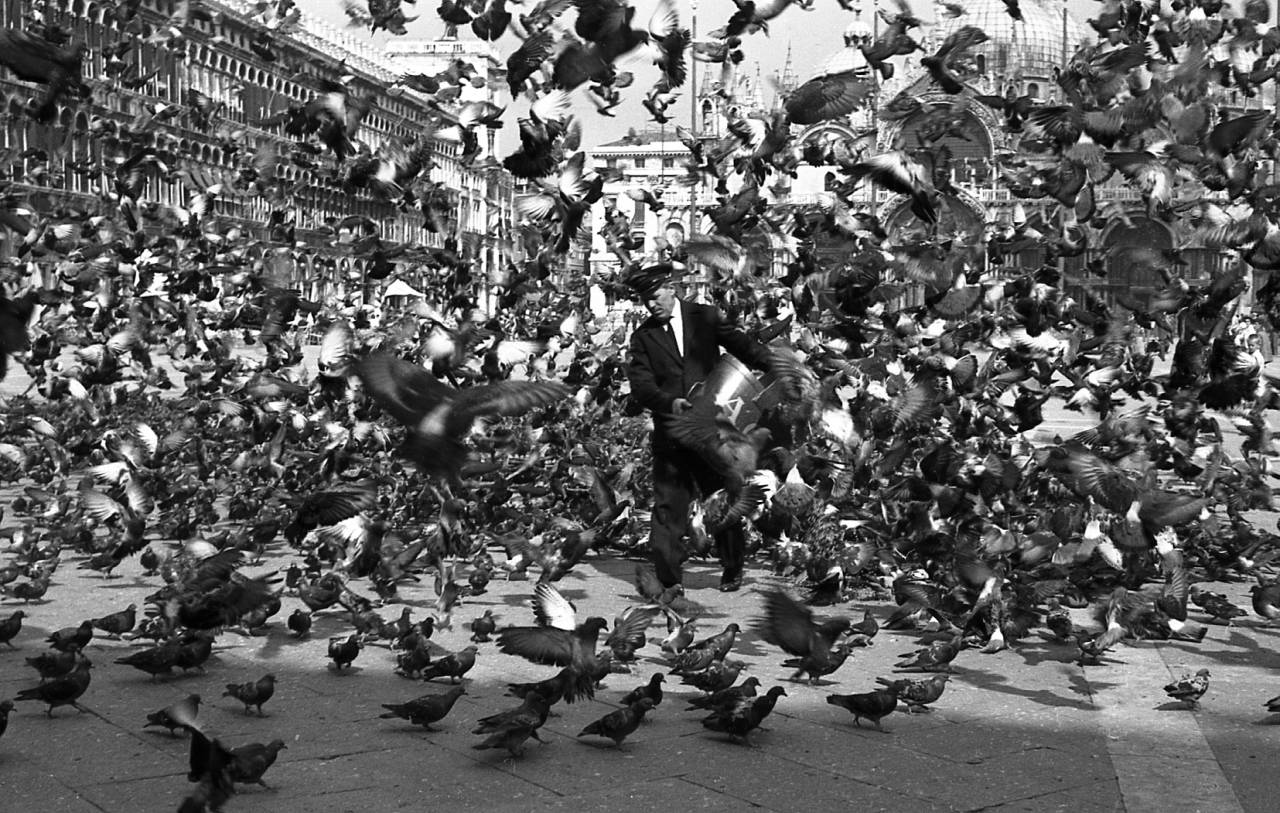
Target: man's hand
681, 406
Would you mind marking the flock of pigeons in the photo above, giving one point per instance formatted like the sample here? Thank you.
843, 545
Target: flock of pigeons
896, 464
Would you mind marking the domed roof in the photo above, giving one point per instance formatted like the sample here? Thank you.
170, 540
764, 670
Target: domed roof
849, 58
1046, 37
1033, 47
859, 28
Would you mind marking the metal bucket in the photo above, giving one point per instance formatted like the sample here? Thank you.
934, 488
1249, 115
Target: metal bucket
733, 387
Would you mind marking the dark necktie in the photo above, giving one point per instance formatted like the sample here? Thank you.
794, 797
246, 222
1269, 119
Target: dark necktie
671, 332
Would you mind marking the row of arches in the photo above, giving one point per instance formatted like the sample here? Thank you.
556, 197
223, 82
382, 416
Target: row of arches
230, 57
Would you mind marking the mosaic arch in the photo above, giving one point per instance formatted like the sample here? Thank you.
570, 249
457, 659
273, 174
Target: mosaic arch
956, 213
831, 247
1128, 247
832, 127
970, 144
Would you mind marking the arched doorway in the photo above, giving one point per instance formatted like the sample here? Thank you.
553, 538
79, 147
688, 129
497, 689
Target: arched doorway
961, 221
966, 138
955, 215
1132, 253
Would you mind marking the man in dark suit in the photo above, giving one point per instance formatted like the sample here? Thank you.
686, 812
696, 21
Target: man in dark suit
674, 349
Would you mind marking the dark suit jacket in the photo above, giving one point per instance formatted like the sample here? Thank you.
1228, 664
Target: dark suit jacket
659, 375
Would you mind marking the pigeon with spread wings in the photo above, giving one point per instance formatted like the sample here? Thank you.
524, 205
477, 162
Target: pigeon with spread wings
36, 59
828, 97
953, 49
899, 172
791, 626
565, 203
439, 417
730, 451
558, 640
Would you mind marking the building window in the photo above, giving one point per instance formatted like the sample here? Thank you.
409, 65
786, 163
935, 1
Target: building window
640, 163
667, 163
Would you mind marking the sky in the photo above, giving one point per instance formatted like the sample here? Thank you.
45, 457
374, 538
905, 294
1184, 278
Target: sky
813, 37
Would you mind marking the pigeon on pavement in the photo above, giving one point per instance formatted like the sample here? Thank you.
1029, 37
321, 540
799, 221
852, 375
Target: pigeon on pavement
790, 625
917, 694
179, 715
744, 716
482, 627
1189, 688
510, 729
873, 706
425, 710
343, 651
651, 690
253, 693
63, 691
10, 627
620, 724
452, 666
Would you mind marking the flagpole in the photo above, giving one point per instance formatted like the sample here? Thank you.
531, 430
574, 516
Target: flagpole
875, 99
693, 110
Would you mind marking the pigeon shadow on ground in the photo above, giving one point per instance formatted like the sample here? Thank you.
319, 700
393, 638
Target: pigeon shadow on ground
1079, 683
10, 603
1000, 683
520, 600
279, 641
599, 744
1263, 628
1038, 652
1243, 651
32, 638
125, 583
1174, 705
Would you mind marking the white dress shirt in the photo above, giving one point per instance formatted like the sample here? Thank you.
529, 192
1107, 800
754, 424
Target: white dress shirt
676, 323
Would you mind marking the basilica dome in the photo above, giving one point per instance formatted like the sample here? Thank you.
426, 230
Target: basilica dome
1046, 38
849, 58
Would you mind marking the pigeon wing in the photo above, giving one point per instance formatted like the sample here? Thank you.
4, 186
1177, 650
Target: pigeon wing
787, 624
828, 97
508, 398
552, 609
401, 388
545, 645
630, 626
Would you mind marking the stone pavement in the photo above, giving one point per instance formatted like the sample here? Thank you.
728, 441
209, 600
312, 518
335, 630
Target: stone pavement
1021, 730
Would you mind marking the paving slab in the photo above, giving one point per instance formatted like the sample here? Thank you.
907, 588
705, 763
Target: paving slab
662, 794
43, 792
162, 792
1100, 797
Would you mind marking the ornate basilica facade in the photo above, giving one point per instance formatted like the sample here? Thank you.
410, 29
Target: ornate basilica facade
1019, 57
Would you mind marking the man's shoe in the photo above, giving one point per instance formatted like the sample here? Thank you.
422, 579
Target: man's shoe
731, 587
